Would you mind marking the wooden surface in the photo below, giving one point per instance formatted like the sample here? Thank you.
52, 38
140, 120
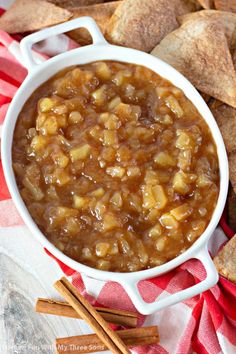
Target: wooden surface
26, 273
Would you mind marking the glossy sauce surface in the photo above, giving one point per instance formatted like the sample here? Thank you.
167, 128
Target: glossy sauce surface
116, 166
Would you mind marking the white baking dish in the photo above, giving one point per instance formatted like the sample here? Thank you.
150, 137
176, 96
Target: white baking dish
101, 50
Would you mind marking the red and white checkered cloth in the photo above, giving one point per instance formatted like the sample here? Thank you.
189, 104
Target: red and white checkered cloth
203, 324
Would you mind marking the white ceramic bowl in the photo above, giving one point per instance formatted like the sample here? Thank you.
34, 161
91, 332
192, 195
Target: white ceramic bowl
101, 50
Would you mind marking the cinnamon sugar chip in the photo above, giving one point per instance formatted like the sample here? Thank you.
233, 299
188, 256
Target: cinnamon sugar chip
199, 49
32, 15
143, 24
101, 13
226, 120
227, 20
225, 261
225, 5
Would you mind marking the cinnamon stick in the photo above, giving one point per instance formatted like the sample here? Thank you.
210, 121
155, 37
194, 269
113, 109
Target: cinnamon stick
91, 343
92, 317
58, 308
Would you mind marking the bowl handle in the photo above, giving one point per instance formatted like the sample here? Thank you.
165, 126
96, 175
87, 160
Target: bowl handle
32, 60
148, 308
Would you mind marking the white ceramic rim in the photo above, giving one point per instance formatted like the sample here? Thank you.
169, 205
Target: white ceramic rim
101, 50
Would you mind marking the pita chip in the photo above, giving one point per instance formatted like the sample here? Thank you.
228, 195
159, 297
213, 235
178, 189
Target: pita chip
143, 24
101, 13
225, 5
225, 117
225, 261
32, 15
227, 20
206, 4
199, 50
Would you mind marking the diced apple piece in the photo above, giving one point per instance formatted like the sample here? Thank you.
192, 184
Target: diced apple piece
155, 231
120, 77
46, 104
179, 183
168, 221
110, 138
80, 152
203, 181
110, 121
153, 215
124, 246
64, 212
162, 91
103, 71
184, 160
87, 254
108, 154
163, 159
103, 264
102, 249
115, 171
61, 109
72, 225
151, 177
60, 159
123, 111
184, 140
80, 202
50, 126
199, 225
114, 249
160, 196
149, 200
141, 252
99, 95
182, 212
98, 193
75, 117
135, 202
110, 222
97, 133
116, 200
61, 176
161, 243
38, 142
174, 106
133, 171
123, 154
114, 102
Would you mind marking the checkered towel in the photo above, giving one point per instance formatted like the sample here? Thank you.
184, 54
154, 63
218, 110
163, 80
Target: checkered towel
203, 324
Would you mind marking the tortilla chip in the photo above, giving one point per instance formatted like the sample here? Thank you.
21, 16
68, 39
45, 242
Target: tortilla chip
231, 208
227, 19
74, 3
206, 4
101, 13
226, 5
143, 24
32, 15
225, 261
225, 117
199, 50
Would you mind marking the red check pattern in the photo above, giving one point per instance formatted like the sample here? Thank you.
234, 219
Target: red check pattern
205, 324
